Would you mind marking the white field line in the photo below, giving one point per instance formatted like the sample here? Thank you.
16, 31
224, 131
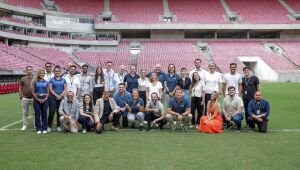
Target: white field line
14, 123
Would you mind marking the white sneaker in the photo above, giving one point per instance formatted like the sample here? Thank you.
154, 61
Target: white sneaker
192, 126
59, 129
84, 131
38, 132
49, 129
44, 131
23, 128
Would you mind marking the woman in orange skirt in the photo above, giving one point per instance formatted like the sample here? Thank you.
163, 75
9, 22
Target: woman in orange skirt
212, 122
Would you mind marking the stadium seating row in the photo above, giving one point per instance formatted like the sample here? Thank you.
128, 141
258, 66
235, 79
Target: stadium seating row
9, 88
192, 11
180, 53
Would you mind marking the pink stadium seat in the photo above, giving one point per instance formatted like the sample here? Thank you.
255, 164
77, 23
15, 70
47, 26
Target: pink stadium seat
292, 50
26, 3
226, 52
198, 11
89, 7
294, 4
137, 11
260, 12
179, 53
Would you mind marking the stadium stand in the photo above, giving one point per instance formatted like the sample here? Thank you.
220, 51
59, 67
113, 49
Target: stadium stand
295, 4
25, 3
9, 88
260, 12
200, 11
180, 53
136, 11
51, 55
89, 7
292, 50
226, 52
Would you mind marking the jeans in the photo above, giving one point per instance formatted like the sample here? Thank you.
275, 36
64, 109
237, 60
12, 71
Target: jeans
262, 126
53, 107
236, 119
186, 94
124, 119
140, 116
40, 110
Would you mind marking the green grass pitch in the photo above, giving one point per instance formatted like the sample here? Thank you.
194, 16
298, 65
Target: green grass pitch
131, 149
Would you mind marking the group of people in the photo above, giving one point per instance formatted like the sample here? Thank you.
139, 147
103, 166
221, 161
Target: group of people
193, 99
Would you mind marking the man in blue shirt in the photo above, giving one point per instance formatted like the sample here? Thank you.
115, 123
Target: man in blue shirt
122, 98
179, 109
171, 81
258, 110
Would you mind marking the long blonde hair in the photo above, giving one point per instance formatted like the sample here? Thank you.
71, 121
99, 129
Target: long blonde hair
216, 103
36, 77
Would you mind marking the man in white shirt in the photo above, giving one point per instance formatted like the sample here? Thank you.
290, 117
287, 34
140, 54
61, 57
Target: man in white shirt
120, 76
198, 69
86, 82
48, 74
109, 78
73, 82
232, 79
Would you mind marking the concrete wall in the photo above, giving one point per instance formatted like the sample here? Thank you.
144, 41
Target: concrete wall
67, 23
261, 69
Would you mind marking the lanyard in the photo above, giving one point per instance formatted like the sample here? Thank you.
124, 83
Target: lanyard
71, 80
246, 82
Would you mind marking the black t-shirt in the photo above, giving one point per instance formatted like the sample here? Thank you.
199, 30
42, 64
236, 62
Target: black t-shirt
184, 84
249, 87
107, 108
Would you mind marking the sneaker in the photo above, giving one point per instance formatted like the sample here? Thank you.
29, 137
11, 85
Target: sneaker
192, 126
59, 129
38, 132
132, 126
197, 126
23, 128
183, 127
49, 129
117, 129
238, 130
44, 131
229, 125
173, 127
112, 128
149, 129
251, 130
141, 128
84, 131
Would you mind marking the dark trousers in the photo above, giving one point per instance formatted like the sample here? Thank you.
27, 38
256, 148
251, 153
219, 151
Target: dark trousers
97, 93
262, 126
196, 105
142, 95
53, 107
105, 119
236, 119
124, 119
40, 111
86, 122
207, 98
150, 117
246, 102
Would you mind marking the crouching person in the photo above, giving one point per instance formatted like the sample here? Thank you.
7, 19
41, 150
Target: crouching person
69, 113
135, 108
86, 115
155, 112
258, 110
179, 110
106, 110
